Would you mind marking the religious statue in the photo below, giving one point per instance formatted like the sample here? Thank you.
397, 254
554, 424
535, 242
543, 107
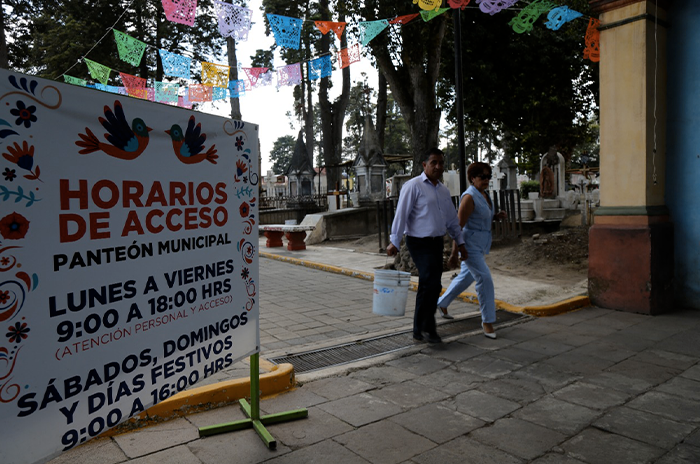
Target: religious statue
547, 182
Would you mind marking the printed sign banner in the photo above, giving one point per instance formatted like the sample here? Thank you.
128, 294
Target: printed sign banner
128, 258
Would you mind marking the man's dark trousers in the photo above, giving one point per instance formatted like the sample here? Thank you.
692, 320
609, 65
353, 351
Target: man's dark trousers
427, 255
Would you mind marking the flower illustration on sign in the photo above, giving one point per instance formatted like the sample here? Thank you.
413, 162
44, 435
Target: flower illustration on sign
18, 332
25, 114
241, 168
9, 174
4, 296
14, 226
244, 209
23, 156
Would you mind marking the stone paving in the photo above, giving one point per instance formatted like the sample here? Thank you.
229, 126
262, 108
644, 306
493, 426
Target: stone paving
303, 308
591, 386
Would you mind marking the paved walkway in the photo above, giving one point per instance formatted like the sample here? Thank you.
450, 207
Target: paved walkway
590, 386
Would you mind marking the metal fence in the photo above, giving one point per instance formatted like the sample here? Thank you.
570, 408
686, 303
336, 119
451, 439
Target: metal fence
512, 226
506, 200
277, 210
284, 202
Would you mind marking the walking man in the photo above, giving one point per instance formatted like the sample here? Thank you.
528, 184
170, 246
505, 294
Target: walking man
424, 214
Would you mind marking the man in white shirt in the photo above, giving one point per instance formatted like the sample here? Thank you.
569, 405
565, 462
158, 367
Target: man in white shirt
425, 212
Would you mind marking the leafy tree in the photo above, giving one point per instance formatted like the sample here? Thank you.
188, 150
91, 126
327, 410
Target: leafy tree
333, 112
50, 38
359, 106
15, 18
523, 92
396, 137
588, 151
314, 44
64, 32
282, 152
409, 57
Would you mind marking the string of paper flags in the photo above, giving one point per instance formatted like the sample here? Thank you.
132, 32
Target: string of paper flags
236, 22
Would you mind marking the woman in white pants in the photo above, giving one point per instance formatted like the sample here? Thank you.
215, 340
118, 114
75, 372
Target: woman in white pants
475, 214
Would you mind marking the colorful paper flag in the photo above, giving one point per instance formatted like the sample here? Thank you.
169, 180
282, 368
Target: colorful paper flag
254, 75
130, 49
428, 4
180, 11
348, 56
560, 16
461, 4
370, 29
215, 75
183, 100
237, 88
525, 20
219, 93
495, 6
74, 80
289, 75
98, 71
428, 15
174, 64
405, 19
320, 67
135, 86
201, 93
287, 31
234, 21
327, 26
166, 92
592, 50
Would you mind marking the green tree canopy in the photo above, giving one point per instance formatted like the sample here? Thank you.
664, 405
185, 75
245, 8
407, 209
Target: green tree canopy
59, 34
281, 153
523, 92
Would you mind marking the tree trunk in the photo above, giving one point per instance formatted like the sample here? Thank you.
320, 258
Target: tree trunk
159, 39
309, 120
233, 76
141, 35
333, 114
4, 63
413, 83
381, 108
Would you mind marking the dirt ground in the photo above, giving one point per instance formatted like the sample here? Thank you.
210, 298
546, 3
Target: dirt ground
560, 256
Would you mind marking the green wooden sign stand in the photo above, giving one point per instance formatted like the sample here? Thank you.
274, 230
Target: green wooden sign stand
252, 410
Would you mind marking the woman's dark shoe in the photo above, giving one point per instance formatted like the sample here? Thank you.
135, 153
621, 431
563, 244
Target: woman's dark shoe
433, 338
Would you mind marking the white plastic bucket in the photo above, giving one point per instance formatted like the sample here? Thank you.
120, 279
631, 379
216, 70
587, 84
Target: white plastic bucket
390, 292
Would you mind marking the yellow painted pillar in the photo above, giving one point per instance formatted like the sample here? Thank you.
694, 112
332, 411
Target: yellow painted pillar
631, 241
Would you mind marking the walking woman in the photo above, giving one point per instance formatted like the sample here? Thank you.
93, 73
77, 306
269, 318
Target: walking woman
475, 217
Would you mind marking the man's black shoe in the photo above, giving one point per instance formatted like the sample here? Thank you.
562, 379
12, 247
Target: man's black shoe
433, 338
418, 337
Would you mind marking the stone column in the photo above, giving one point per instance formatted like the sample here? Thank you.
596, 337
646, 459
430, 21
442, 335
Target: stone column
631, 242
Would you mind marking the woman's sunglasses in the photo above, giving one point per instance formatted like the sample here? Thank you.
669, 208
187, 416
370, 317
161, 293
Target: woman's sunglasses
484, 176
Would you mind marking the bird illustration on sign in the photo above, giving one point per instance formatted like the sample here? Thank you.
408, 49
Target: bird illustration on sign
126, 141
189, 146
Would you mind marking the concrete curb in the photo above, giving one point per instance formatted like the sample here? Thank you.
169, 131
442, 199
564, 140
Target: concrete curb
319, 266
279, 379
554, 309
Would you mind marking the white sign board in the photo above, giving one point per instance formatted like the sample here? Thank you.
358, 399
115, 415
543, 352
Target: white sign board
128, 258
